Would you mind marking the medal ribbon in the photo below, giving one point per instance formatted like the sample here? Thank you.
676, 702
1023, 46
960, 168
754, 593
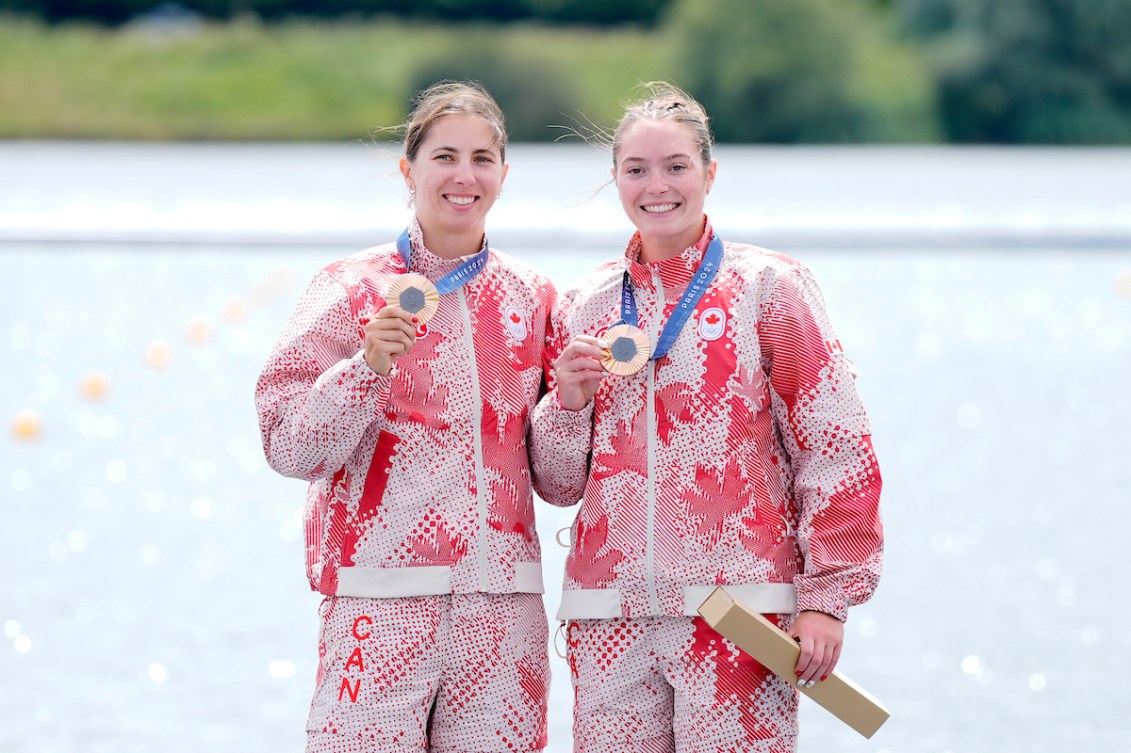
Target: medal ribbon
453, 280
696, 289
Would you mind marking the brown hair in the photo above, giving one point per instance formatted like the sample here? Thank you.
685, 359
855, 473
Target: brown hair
664, 101
451, 98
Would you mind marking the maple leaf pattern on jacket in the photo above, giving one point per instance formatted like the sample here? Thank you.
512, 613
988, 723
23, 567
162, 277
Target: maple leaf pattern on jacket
747, 444
674, 401
750, 385
510, 511
322, 410
625, 453
516, 369
506, 380
437, 545
717, 497
585, 564
421, 400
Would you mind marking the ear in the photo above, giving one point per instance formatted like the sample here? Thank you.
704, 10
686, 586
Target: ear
406, 171
506, 169
711, 170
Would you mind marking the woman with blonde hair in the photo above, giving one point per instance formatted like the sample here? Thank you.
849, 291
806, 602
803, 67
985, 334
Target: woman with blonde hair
705, 415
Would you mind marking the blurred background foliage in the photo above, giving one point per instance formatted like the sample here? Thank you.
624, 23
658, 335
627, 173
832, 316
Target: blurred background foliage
769, 71
1028, 71
802, 71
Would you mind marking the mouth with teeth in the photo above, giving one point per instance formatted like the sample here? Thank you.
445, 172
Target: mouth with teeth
659, 208
461, 201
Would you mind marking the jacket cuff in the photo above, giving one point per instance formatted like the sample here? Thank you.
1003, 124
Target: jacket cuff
821, 595
366, 376
563, 422
352, 383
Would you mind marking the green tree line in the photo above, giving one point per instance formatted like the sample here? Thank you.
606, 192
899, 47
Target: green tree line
600, 12
769, 71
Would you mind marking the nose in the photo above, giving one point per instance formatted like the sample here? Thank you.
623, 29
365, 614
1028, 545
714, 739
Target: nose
656, 182
464, 174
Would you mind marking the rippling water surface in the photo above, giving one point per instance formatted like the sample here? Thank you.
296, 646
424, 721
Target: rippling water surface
152, 596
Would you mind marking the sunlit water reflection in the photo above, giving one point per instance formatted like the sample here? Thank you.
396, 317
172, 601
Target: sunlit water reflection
153, 597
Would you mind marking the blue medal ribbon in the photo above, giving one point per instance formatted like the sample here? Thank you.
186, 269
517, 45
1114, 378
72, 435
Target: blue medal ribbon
458, 277
696, 289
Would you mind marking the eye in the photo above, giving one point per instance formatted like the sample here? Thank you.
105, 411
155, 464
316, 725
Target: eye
486, 159
444, 157
678, 168
635, 171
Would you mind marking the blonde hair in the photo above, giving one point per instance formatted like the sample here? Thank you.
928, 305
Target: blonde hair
664, 101
451, 98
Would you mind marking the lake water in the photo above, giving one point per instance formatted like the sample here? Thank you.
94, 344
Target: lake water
153, 596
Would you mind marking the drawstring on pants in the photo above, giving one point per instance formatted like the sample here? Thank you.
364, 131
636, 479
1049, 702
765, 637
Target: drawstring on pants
560, 632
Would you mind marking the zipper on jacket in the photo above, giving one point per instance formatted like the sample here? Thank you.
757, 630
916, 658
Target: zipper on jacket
477, 440
651, 431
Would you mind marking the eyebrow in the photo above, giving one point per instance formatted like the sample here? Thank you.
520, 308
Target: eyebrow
478, 150
668, 158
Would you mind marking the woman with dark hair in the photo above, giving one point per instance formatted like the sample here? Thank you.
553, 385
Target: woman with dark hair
401, 389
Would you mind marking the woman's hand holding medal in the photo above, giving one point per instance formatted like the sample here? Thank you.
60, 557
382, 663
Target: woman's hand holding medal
388, 335
578, 371
412, 301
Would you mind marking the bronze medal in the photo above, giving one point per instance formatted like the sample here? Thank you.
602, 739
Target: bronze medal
415, 294
626, 350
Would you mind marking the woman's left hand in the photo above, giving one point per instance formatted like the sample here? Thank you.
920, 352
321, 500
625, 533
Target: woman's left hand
821, 637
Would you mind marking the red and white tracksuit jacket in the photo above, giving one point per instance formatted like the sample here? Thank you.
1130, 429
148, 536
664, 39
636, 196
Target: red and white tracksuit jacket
419, 481
741, 458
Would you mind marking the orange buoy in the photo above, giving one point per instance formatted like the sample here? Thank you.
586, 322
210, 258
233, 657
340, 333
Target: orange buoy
25, 426
94, 385
158, 354
198, 330
235, 310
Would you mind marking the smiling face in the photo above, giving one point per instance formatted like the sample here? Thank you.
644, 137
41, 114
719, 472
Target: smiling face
663, 184
456, 174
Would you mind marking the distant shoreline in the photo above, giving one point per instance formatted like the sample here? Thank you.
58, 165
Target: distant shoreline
924, 241
299, 195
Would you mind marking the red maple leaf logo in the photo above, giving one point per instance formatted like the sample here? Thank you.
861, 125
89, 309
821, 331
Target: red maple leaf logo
713, 319
515, 317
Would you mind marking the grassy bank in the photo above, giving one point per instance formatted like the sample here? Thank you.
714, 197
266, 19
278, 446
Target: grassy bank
297, 81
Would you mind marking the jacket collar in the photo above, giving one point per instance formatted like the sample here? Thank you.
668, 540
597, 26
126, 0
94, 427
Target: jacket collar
674, 273
426, 263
